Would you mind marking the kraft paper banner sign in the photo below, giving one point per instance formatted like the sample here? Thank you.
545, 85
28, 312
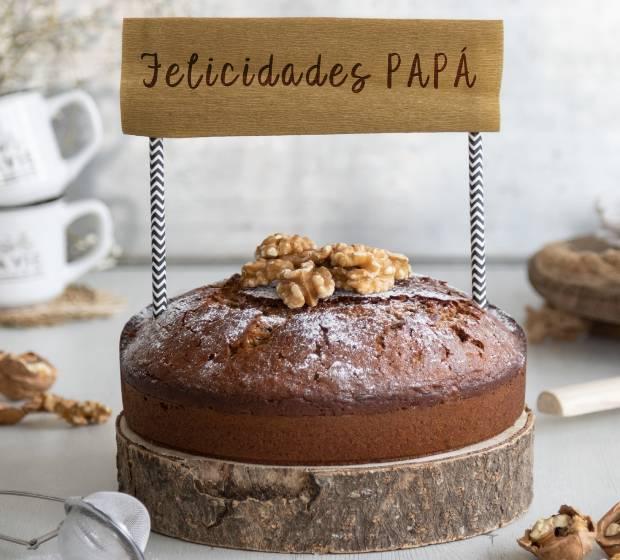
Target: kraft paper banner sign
184, 77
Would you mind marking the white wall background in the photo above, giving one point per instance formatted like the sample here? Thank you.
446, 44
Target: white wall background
558, 149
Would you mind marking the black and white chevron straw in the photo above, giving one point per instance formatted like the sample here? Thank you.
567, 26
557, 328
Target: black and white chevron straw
158, 227
476, 221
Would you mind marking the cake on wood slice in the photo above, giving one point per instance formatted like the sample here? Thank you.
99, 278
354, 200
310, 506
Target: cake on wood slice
233, 373
580, 276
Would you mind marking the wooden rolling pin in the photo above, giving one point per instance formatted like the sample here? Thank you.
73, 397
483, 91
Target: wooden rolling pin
582, 398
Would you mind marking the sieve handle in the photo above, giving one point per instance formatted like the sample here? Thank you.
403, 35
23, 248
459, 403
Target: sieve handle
32, 544
35, 543
38, 541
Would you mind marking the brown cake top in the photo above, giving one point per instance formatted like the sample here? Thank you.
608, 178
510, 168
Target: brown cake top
243, 351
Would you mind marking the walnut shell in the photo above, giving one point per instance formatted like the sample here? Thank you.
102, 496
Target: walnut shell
608, 531
10, 415
568, 535
25, 375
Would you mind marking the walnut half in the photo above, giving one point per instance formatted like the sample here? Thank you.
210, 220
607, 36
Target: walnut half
281, 245
365, 269
263, 272
608, 531
362, 281
568, 535
76, 413
305, 273
305, 286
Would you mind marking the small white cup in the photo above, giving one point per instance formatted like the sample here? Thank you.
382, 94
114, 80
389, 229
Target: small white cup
33, 249
32, 168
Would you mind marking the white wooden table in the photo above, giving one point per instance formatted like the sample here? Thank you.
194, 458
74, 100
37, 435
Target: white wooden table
576, 459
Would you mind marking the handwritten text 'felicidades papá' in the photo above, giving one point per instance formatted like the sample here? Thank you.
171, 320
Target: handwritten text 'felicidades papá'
413, 71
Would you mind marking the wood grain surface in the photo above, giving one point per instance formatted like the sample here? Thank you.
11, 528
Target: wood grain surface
185, 77
354, 508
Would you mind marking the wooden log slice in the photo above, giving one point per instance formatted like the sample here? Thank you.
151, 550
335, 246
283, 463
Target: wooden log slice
580, 276
353, 508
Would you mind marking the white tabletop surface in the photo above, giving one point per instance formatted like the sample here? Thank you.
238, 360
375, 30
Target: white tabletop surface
576, 459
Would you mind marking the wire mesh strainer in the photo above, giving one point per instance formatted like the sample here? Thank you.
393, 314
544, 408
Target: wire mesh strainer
103, 525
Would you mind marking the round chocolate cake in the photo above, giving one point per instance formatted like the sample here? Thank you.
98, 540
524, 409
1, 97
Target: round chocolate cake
233, 373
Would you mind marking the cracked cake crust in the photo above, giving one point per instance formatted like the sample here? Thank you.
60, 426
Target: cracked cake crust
233, 372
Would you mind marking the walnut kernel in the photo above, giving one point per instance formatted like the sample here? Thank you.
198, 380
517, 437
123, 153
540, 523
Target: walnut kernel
356, 267
306, 285
280, 245
366, 269
76, 413
361, 281
568, 535
359, 256
263, 272
402, 268
318, 256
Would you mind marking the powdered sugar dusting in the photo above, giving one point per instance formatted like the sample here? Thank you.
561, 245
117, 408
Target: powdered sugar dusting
265, 292
232, 322
505, 319
332, 327
422, 339
273, 321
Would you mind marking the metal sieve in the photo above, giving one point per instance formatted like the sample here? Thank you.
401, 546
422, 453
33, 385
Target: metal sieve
103, 525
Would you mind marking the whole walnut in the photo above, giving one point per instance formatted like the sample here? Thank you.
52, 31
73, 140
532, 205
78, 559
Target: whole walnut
24, 375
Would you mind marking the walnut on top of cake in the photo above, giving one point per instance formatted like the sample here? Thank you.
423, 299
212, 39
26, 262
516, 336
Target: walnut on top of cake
305, 273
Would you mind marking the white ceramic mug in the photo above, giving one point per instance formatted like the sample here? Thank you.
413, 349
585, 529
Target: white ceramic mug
32, 168
33, 249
